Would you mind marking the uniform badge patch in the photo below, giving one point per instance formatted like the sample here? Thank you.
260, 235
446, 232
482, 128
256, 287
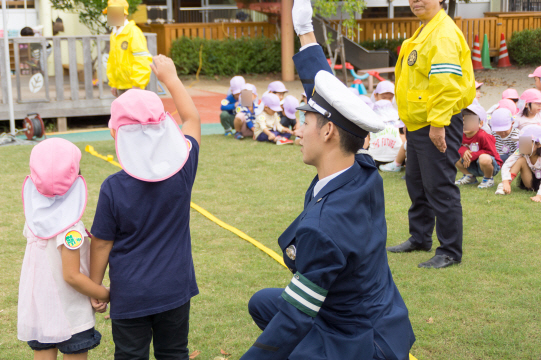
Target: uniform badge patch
291, 252
225, 102
73, 240
124, 45
412, 58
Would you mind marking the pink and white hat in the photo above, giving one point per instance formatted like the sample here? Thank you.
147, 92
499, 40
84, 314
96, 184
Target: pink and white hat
536, 73
272, 101
54, 194
510, 94
384, 87
236, 84
149, 144
509, 105
478, 85
290, 106
531, 96
501, 120
479, 111
533, 131
277, 86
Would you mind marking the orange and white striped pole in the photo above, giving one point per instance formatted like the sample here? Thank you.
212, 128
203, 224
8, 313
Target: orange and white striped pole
503, 58
476, 55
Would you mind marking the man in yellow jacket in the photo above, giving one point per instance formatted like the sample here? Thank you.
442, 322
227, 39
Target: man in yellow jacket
129, 61
434, 82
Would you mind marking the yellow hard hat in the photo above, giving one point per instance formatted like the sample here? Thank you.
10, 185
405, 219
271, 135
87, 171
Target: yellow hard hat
117, 3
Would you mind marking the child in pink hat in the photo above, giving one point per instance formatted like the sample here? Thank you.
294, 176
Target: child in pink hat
54, 310
537, 77
230, 103
503, 131
142, 223
530, 114
278, 88
267, 126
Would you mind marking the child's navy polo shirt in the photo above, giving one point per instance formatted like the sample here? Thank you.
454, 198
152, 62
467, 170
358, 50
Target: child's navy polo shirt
150, 266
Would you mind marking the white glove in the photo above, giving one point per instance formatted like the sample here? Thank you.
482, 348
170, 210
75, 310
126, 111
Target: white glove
302, 17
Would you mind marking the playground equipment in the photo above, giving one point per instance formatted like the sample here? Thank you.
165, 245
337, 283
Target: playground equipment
33, 129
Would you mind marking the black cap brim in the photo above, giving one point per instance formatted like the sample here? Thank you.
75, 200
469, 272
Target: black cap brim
307, 107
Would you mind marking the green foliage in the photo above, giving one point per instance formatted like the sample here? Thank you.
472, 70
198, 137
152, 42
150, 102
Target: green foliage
389, 44
90, 12
228, 56
328, 8
525, 47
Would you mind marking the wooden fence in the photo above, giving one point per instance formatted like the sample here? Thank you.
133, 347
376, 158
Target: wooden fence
167, 33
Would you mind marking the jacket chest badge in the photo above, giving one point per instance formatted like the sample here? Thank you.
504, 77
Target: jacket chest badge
124, 45
412, 58
291, 252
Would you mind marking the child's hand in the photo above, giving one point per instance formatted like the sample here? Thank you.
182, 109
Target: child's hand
272, 137
466, 159
98, 306
164, 68
507, 187
536, 198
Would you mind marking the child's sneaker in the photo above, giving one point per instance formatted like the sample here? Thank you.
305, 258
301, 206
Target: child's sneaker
486, 183
239, 136
284, 141
228, 133
467, 180
499, 190
390, 167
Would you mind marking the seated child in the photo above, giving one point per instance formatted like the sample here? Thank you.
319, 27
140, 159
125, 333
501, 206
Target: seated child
537, 77
229, 104
384, 91
526, 161
54, 309
245, 117
289, 118
478, 155
505, 134
301, 113
278, 88
141, 226
509, 105
509, 95
384, 145
532, 106
267, 126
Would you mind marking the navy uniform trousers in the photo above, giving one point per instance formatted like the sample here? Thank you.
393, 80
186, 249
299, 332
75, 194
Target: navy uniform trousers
435, 199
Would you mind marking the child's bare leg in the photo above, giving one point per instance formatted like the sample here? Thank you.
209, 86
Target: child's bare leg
461, 167
521, 166
237, 123
82, 356
401, 156
49, 354
485, 162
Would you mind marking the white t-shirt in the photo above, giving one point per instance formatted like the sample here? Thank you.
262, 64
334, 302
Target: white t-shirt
76, 306
384, 145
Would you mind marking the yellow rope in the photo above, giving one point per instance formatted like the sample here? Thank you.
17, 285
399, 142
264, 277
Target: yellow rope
200, 66
109, 158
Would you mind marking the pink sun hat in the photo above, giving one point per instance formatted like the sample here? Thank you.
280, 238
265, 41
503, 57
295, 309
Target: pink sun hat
531, 96
54, 194
536, 73
384, 87
272, 101
236, 84
510, 94
277, 86
479, 111
290, 106
509, 105
149, 144
478, 85
501, 120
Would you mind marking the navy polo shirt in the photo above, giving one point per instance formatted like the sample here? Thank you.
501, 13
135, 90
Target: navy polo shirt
150, 265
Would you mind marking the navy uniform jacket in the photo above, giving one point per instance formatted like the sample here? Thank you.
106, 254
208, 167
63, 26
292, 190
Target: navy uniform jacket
342, 302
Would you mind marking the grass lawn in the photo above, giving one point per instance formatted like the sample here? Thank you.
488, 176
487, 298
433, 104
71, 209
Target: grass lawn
485, 308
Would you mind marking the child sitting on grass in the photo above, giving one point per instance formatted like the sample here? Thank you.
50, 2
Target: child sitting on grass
244, 119
478, 155
229, 104
277, 88
289, 117
267, 126
526, 161
505, 134
532, 106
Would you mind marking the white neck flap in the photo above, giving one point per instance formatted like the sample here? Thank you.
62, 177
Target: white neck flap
47, 217
152, 152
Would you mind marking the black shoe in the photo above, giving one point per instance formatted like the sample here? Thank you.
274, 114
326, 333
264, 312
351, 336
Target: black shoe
439, 262
405, 247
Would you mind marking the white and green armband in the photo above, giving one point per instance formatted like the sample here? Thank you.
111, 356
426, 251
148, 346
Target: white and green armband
304, 295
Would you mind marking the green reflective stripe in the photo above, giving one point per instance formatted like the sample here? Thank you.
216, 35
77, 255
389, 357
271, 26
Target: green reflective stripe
310, 284
445, 65
304, 295
444, 72
294, 300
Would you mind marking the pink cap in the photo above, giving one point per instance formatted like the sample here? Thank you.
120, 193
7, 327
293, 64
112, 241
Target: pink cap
290, 106
272, 101
510, 94
501, 120
478, 85
531, 96
277, 86
250, 87
384, 87
54, 166
536, 73
532, 130
509, 105
136, 106
479, 111
236, 84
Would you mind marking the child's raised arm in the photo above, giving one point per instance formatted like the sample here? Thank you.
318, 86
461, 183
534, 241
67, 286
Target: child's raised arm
166, 72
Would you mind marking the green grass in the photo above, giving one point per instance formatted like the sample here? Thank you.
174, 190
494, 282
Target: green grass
486, 308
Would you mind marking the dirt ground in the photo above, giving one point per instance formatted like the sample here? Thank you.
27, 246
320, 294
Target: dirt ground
495, 82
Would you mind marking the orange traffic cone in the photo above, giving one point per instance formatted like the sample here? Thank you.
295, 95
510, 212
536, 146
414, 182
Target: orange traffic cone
476, 55
503, 58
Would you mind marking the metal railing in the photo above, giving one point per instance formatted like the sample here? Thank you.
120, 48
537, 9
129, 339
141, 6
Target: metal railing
214, 14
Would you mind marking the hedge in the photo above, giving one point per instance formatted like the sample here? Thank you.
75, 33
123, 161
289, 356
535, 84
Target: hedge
525, 47
228, 56
381, 44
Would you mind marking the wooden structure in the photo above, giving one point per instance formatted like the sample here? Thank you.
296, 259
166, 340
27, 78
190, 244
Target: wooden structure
57, 96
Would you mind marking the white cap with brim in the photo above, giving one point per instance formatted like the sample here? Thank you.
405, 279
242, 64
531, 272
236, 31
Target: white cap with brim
333, 100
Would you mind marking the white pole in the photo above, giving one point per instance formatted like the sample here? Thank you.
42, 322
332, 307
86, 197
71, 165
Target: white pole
8, 68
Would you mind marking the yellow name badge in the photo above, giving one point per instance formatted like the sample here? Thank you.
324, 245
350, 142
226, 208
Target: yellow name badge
225, 102
73, 240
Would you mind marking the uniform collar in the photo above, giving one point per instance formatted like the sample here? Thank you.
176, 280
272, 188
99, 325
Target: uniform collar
339, 181
118, 31
321, 183
432, 24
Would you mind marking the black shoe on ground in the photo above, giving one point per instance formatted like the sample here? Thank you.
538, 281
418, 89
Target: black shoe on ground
439, 262
405, 247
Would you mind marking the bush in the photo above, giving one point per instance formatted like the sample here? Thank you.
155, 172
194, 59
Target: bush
228, 56
525, 47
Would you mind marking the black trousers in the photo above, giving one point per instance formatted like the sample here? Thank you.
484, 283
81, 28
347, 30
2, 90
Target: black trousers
168, 329
435, 199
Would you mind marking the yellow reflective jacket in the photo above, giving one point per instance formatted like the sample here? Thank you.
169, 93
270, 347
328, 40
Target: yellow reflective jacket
434, 75
129, 59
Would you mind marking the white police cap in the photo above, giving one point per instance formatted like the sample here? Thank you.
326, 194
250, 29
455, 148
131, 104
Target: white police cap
333, 100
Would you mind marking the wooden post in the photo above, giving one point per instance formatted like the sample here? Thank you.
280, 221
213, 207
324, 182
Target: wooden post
62, 124
288, 72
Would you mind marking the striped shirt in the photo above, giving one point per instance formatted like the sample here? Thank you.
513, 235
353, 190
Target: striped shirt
507, 145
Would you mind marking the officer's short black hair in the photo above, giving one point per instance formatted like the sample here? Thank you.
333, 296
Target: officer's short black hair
349, 143
27, 31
